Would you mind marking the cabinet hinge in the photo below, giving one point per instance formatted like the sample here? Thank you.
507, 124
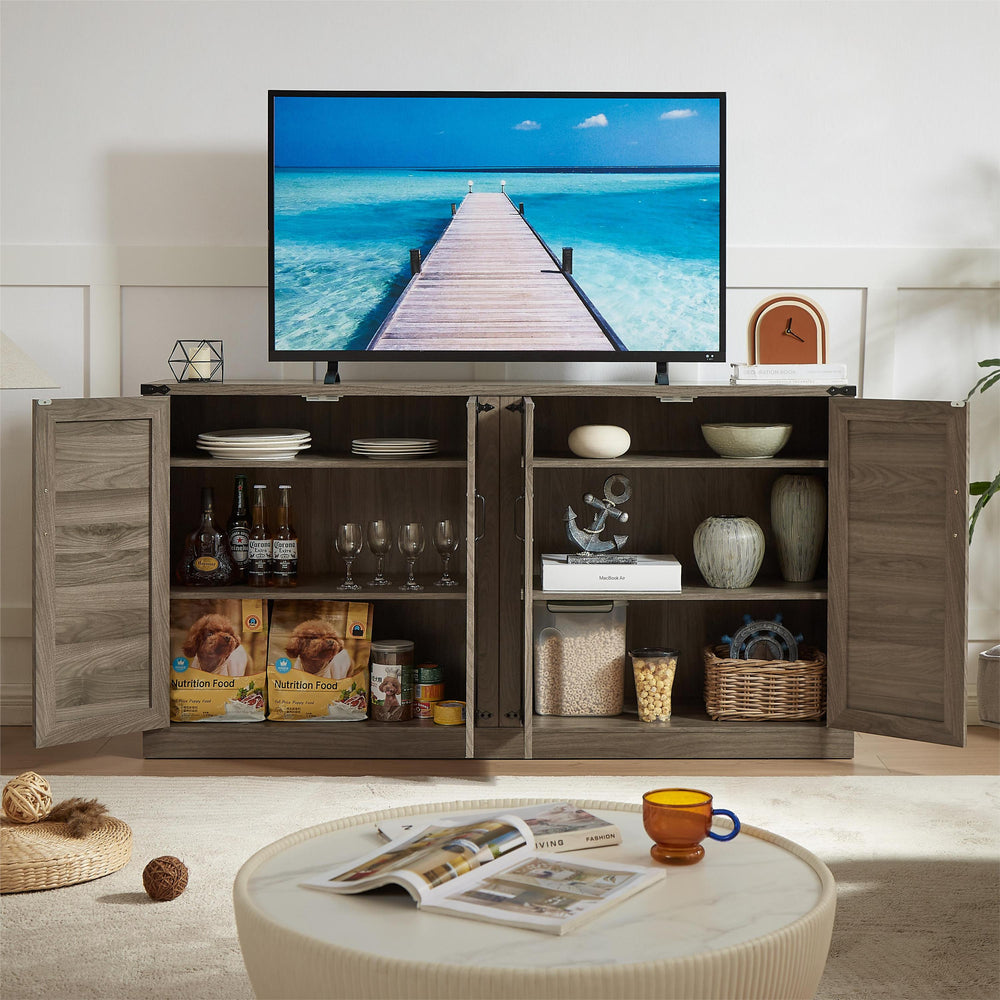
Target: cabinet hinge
483, 714
517, 407
147, 389
483, 407
512, 715
842, 390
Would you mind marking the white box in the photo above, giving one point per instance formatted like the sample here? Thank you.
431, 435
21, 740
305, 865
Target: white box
660, 574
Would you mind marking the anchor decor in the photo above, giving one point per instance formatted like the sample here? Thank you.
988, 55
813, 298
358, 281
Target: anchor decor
593, 548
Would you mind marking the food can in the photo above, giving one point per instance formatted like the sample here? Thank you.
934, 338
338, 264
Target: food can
424, 709
449, 713
391, 689
428, 673
429, 692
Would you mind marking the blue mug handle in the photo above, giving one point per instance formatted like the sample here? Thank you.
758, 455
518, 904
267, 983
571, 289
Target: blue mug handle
736, 825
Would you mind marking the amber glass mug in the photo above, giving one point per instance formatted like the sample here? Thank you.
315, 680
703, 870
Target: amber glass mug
678, 820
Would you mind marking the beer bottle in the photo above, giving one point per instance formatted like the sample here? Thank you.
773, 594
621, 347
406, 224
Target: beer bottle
285, 560
238, 529
260, 542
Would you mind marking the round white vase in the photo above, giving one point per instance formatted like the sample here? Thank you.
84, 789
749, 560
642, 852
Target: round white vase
729, 550
798, 520
599, 441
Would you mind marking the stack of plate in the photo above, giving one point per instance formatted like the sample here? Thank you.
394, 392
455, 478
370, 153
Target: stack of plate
394, 447
262, 444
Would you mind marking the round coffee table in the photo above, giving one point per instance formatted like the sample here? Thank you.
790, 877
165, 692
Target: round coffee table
753, 919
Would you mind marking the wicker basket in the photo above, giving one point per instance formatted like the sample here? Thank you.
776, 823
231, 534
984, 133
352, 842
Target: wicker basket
754, 690
44, 856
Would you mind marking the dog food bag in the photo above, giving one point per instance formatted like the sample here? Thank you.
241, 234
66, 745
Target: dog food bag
317, 661
218, 660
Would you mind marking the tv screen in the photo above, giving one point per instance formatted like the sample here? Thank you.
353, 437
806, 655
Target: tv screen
488, 226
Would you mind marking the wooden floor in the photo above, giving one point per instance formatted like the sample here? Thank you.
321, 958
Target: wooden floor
489, 263
122, 755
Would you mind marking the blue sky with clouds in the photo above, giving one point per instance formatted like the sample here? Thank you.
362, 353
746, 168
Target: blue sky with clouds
522, 131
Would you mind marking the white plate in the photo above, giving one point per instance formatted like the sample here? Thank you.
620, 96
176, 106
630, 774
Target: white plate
246, 453
261, 446
393, 442
259, 458
253, 434
415, 447
393, 454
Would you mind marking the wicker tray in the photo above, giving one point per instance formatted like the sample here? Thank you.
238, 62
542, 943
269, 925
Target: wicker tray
755, 690
43, 856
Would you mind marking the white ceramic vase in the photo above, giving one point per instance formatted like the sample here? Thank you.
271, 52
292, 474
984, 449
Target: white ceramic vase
599, 441
729, 550
798, 520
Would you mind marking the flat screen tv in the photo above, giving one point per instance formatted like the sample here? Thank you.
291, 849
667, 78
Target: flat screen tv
438, 226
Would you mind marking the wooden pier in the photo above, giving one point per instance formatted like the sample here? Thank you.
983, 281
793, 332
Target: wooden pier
491, 283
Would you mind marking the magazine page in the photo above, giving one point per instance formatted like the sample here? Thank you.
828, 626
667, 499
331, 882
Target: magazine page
544, 892
556, 826
431, 857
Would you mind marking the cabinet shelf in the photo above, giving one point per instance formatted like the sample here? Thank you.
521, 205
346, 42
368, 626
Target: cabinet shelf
646, 461
325, 588
317, 461
768, 590
418, 738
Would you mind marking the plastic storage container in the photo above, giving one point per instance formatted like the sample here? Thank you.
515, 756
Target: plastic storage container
579, 651
392, 680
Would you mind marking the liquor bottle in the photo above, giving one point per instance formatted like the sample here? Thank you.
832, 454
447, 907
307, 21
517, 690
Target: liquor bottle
207, 561
260, 543
238, 529
285, 560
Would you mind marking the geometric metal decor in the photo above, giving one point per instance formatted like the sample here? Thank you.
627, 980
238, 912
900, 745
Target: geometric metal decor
196, 361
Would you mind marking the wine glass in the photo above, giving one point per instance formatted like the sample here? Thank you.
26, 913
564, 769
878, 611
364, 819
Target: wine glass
411, 541
379, 544
350, 541
446, 541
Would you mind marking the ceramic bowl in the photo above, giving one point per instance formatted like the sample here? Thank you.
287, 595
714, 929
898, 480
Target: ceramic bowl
746, 440
599, 441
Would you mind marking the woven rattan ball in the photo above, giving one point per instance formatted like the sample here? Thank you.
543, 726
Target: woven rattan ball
27, 798
165, 878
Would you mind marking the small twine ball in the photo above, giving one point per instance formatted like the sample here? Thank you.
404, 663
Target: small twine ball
27, 798
165, 878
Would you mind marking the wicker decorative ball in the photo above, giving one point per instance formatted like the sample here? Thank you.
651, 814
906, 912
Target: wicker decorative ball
27, 798
165, 878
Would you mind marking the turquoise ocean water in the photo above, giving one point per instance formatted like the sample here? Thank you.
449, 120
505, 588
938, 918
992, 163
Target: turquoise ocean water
645, 247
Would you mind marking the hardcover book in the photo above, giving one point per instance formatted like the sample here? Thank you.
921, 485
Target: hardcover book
490, 870
658, 573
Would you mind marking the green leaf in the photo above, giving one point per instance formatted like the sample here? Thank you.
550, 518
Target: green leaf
985, 494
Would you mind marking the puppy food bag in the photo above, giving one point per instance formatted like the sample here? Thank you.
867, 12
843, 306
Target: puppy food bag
218, 660
317, 661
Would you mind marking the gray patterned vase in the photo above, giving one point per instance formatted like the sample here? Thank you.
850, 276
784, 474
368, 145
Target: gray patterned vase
798, 520
729, 550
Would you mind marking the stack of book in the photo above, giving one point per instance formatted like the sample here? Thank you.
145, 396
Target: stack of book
788, 374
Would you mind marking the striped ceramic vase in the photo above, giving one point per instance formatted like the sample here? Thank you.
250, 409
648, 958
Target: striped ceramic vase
798, 520
729, 550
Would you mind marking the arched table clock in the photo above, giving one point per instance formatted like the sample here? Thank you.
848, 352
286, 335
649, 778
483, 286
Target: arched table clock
787, 330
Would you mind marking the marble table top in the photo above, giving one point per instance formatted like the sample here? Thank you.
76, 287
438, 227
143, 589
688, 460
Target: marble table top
741, 890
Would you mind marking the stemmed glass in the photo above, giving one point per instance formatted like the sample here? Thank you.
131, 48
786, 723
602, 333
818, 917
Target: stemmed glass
411, 541
379, 544
350, 541
446, 541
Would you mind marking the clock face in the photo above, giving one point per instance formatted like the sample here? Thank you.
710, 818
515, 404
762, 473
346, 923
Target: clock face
787, 330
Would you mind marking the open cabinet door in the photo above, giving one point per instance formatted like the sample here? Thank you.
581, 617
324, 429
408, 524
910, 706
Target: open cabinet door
898, 569
101, 580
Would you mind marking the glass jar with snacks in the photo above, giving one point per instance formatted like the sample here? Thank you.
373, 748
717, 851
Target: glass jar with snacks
654, 671
392, 680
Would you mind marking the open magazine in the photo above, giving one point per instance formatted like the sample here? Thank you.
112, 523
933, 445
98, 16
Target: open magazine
489, 870
556, 826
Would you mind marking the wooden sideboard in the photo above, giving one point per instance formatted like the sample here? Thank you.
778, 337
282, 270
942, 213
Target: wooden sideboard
117, 484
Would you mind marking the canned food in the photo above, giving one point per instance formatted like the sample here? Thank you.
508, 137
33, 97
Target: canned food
429, 692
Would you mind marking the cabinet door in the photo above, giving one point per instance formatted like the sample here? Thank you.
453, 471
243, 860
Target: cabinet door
101, 579
897, 569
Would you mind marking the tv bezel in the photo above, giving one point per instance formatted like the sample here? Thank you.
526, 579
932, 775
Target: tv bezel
472, 355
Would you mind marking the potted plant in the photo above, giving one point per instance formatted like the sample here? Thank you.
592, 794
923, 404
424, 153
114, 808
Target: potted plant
988, 678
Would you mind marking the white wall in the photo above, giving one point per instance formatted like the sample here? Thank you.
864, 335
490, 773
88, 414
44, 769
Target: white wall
863, 160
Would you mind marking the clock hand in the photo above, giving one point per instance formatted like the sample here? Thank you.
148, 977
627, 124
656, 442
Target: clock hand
788, 331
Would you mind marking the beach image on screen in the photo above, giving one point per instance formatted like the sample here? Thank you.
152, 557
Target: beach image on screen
438, 223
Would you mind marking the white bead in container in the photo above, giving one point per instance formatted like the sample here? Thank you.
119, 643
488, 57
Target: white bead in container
579, 664
599, 441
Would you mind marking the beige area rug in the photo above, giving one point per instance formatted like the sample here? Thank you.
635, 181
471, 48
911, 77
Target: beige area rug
915, 859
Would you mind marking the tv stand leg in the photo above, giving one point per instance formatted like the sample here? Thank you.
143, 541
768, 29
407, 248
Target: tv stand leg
662, 377
332, 374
